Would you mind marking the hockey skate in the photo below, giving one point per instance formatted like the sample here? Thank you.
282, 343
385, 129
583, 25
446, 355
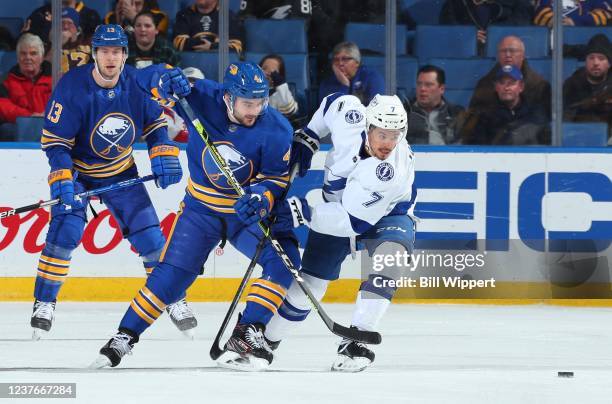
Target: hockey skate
352, 357
42, 318
117, 347
182, 317
246, 349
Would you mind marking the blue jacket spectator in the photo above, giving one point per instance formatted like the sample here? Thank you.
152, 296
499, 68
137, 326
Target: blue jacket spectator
511, 120
350, 77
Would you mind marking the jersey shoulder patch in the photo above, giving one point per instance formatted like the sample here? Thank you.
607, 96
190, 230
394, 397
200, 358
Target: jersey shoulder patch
384, 171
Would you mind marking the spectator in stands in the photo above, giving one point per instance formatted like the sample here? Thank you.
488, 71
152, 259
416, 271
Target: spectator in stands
146, 47
324, 22
431, 119
350, 76
511, 51
512, 120
484, 13
27, 88
575, 12
7, 42
197, 28
75, 51
125, 11
280, 94
39, 22
587, 94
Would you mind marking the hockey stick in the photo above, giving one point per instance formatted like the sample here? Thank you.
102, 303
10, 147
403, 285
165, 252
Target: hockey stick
215, 349
367, 337
86, 194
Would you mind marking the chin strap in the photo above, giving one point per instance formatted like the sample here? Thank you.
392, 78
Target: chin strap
93, 55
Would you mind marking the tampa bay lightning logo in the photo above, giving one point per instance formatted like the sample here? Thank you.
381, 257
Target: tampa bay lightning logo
239, 164
353, 116
113, 135
384, 171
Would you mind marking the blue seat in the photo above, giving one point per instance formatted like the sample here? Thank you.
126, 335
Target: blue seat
276, 36
29, 128
536, 39
21, 9
407, 68
544, 67
449, 41
371, 37
460, 97
170, 7
463, 73
103, 7
8, 59
584, 134
296, 71
581, 35
208, 62
13, 24
424, 12
7, 132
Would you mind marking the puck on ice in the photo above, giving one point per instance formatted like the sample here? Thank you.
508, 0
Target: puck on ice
565, 374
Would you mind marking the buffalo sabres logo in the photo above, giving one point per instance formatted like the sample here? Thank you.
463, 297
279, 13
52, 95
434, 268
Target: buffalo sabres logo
353, 116
241, 166
384, 171
112, 136
233, 70
257, 79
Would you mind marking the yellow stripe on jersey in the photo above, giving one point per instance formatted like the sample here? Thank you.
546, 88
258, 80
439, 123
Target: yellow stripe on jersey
152, 298
51, 260
158, 123
266, 293
103, 170
146, 305
51, 277
49, 139
211, 198
263, 302
55, 270
141, 313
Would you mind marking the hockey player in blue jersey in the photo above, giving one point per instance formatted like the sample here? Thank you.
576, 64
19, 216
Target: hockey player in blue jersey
369, 196
255, 141
94, 116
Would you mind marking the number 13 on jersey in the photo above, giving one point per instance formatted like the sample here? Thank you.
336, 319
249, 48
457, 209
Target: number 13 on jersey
54, 112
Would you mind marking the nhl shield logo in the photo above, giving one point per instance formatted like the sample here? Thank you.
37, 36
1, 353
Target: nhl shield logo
238, 163
384, 171
112, 136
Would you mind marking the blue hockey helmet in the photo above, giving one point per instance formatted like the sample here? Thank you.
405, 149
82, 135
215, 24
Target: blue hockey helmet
109, 35
246, 80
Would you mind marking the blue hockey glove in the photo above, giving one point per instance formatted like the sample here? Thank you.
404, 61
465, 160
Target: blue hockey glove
305, 145
298, 208
62, 187
251, 208
173, 84
165, 165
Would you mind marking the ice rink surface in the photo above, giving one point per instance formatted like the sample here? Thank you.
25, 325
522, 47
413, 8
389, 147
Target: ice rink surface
430, 353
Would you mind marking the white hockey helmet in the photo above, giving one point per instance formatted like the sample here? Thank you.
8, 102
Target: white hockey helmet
387, 112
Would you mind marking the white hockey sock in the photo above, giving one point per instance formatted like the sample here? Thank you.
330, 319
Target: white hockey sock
369, 310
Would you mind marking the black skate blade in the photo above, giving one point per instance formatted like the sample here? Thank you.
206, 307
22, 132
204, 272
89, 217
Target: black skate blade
366, 337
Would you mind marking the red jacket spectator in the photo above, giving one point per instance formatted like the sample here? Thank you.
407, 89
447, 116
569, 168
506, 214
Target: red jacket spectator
27, 88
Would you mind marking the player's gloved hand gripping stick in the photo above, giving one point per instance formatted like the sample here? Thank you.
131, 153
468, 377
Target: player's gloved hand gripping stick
367, 337
87, 194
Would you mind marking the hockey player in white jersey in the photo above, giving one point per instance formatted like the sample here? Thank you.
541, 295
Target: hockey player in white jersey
369, 196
